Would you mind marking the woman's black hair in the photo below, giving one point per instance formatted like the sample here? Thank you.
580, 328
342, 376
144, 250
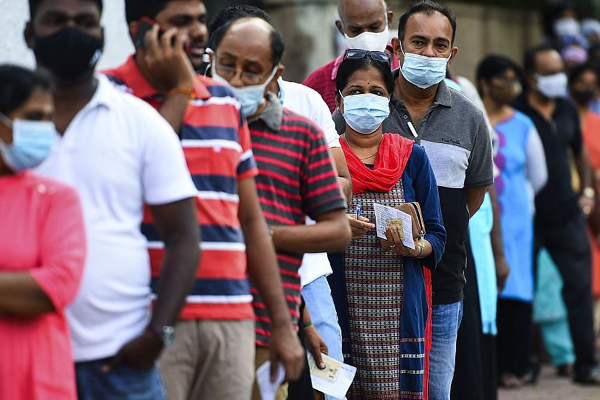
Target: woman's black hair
579, 70
17, 84
351, 65
493, 66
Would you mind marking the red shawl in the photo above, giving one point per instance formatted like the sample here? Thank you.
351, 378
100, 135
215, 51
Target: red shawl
390, 161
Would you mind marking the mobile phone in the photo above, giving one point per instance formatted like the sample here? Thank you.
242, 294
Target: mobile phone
146, 24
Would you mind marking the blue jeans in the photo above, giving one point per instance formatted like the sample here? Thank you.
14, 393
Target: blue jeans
445, 321
122, 383
317, 296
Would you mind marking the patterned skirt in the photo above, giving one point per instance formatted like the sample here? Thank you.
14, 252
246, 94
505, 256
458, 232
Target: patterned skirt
374, 282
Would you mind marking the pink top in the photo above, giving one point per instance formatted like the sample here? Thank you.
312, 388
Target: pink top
41, 231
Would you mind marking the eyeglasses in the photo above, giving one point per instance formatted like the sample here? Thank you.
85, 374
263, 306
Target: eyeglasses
248, 78
374, 55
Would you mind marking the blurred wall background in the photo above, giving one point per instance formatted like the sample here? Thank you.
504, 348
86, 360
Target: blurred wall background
485, 26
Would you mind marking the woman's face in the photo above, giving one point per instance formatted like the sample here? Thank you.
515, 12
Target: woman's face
39, 107
364, 81
503, 88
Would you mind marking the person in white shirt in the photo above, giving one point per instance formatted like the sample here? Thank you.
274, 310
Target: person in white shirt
120, 154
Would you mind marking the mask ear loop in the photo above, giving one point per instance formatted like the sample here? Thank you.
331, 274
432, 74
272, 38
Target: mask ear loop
6, 121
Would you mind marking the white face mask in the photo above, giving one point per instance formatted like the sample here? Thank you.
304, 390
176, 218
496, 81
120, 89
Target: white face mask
552, 86
250, 97
566, 27
372, 41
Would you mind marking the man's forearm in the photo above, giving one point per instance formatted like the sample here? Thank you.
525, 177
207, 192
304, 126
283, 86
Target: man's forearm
264, 271
328, 235
475, 196
176, 280
173, 110
584, 169
21, 295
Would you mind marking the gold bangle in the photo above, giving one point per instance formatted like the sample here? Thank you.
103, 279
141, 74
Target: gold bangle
422, 247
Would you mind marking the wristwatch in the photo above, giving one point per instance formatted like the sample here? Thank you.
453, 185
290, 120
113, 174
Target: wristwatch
589, 192
166, 334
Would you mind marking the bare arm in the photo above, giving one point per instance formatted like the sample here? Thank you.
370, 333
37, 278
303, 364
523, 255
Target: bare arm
475, 197
331, 233
21, 295
584, 169
502, 267
264, 272
343, 173
177, 224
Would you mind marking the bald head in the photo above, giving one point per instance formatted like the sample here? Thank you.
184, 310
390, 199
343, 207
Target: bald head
259, 38
358, 16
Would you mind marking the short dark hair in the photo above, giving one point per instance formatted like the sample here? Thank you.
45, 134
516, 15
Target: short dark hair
237, 12
277, 44
493, 66
351, 65
428, 7
17, 84
35, 4
136, 9
529, 60
579, 70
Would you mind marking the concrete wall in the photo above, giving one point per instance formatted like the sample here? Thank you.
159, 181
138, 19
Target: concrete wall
310, 34
311, 37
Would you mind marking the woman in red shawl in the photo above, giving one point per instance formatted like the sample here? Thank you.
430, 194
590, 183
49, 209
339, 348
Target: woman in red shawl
386, 308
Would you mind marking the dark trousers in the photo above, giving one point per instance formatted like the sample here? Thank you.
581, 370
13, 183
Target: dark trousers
569, 247
514, 336
468, 373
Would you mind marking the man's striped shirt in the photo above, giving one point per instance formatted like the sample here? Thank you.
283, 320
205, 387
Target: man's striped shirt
296, 178
216, 144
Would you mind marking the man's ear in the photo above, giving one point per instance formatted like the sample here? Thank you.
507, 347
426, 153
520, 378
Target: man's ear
133, 28
397, 49
280, 71
453, 54
390, 19
28, 34
340, 27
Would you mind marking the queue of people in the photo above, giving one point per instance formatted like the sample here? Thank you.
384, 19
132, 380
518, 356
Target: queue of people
173, 223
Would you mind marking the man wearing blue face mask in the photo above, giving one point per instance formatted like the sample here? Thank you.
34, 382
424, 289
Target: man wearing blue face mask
364, 25
455, 136
296, 175
560, 211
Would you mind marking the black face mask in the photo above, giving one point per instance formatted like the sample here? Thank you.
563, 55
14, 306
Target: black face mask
69, 53
583, 97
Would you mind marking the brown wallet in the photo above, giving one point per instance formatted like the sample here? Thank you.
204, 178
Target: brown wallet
418, 225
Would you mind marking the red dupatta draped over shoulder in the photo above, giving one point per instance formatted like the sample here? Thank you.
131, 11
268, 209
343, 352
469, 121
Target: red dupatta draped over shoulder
392, 156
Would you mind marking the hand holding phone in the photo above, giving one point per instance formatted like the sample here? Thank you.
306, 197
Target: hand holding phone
162, 57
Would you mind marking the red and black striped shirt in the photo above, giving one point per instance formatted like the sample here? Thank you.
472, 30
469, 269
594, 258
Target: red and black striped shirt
296, 178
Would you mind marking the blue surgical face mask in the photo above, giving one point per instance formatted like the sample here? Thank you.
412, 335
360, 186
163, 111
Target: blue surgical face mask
364, 113
423, 71
32, 142
250, 97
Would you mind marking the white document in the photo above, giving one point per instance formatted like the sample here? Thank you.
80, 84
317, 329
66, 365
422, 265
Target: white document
384, 213
267, 388
334, 380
